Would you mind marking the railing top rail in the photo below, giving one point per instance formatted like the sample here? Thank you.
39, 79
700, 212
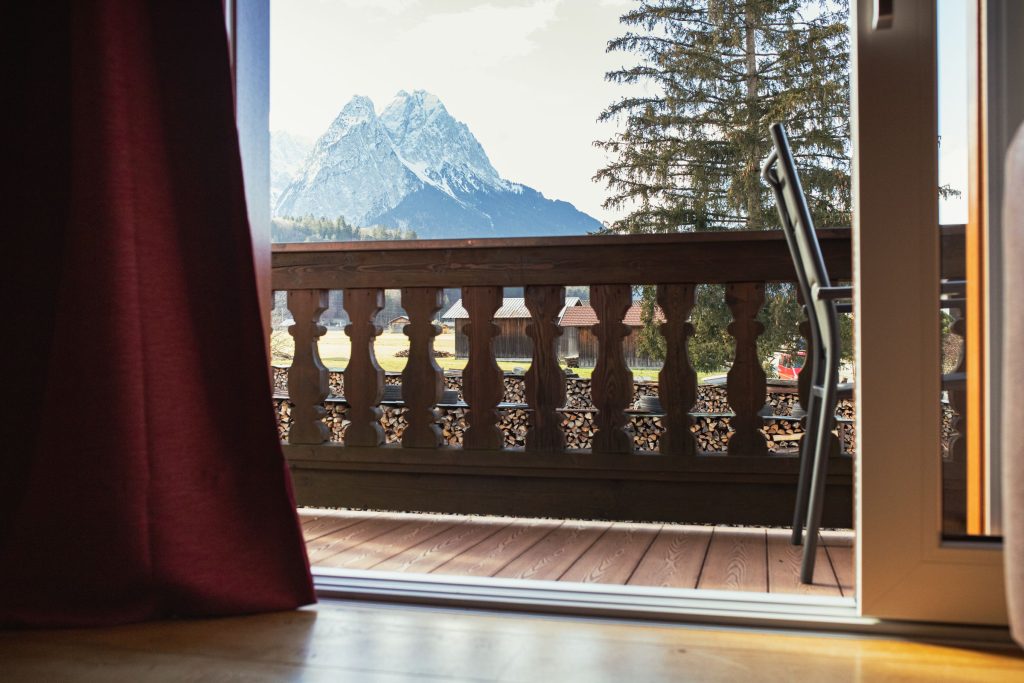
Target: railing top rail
715, 236
700, 257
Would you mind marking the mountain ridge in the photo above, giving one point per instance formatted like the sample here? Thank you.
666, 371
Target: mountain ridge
415, 167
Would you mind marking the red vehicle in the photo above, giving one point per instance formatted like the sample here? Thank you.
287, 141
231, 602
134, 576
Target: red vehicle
788, 366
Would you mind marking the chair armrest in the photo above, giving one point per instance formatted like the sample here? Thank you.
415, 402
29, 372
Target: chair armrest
833, 293
954, 380
953, 286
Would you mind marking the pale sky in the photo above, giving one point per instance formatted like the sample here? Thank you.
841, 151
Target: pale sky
526, 76
953, 96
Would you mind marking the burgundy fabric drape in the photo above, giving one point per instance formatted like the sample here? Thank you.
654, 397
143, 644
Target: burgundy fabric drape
141, 472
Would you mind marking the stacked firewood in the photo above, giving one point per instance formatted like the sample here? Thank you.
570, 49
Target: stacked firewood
280, 374
949, 423
579, 428
783, 435
711, 399
710, 426
283, 411
336, 380
334, 419
514, 424
783, 403
515, 389
577, 393
646, 429
438, 353
711, 432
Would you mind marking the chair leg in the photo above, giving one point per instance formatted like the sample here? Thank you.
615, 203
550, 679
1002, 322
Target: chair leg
814, 511
807, 446
826, 414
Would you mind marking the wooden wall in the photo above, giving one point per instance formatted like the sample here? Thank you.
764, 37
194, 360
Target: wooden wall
585, 344
575, 341
569, 342
512, 342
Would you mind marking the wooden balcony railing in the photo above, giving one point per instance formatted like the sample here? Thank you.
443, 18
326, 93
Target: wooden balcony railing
610, 481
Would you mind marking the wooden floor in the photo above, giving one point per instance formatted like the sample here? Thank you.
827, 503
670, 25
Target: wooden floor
337, 641
665, 555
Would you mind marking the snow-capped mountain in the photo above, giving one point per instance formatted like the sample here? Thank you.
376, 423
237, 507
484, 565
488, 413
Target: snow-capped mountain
416, 167
287, 155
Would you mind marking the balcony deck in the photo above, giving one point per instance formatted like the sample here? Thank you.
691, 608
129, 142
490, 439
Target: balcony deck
618, 553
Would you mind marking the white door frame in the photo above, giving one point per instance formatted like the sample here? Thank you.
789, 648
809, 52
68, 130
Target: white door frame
904, 569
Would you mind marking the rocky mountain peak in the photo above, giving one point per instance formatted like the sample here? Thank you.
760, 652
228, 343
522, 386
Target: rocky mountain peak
417, 167
439, 148
358, 110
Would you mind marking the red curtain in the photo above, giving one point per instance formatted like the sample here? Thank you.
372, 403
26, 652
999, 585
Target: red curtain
142, 476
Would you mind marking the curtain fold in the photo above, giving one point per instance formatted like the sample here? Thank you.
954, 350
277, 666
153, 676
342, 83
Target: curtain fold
145, 478
1013, 385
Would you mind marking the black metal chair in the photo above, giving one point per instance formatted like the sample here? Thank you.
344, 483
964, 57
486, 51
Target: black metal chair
820, 297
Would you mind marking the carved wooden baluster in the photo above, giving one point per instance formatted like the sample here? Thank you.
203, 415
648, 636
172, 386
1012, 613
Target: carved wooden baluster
545, 381
307, 377
612, 382
747, 384
677, 381
364, 380
422, 383
483, 384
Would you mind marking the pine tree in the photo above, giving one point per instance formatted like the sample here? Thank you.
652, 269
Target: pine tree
688, 155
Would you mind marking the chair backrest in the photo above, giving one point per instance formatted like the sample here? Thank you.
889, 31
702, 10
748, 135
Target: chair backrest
793, 210
780, 172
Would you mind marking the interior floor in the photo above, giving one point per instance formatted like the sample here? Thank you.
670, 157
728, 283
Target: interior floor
340, 641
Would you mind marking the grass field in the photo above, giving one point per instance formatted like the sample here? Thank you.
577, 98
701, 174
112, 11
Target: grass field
335, 349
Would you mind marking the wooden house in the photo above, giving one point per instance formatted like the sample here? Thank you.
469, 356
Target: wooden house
512, 342
578, 336
397, 325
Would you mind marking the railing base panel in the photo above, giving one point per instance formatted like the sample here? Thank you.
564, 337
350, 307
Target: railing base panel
649, 488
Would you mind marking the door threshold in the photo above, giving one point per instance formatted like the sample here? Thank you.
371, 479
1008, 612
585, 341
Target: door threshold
678, 605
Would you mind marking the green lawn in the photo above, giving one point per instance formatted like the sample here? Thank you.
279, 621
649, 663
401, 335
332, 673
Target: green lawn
335, 347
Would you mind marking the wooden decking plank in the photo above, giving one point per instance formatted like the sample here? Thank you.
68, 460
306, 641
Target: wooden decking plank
736, 561
556, 552
387, 545
614, 556
494, 553
365, 530
433, 552
839, 538
841, 559
313, 527
675, 558
784, 561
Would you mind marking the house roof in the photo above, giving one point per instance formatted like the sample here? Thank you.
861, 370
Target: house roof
511, 307
586, 316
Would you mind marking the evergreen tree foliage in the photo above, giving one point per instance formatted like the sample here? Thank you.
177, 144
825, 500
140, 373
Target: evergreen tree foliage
310, 228
688, 154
